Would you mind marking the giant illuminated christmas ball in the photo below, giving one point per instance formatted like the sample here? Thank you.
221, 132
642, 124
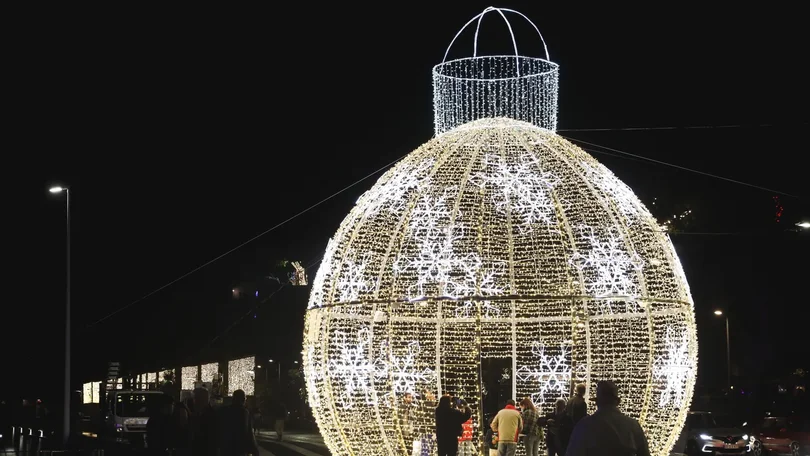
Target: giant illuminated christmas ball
497, 239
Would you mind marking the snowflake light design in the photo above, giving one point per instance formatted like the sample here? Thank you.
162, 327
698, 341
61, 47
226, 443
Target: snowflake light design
436, 262
404, 370
353, 368
626, 201
609, 269
353, 281
674, 366
391, 194
523, 190
552, 372
471, 280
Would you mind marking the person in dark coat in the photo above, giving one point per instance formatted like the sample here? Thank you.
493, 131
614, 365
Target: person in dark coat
160, 428
204, 428
448, 425
560, 425
236, 425
576, 407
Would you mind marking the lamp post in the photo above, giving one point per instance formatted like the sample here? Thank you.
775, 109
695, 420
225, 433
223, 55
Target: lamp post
719, 313
279, 370
66, 415
265, 373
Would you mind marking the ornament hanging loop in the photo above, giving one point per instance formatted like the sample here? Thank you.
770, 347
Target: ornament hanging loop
512, 86
480, 16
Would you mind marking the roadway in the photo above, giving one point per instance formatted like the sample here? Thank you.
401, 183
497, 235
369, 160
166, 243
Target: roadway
294, 444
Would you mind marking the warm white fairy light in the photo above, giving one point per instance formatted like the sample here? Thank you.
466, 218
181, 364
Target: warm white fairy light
87, 393
461, 268
241, 375
188, 376
209, 372
627, 203
523, 190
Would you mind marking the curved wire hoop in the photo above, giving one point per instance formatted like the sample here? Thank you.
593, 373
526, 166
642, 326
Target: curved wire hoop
500, 11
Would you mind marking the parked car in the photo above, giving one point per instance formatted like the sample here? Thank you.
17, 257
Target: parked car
780, 435
702, 435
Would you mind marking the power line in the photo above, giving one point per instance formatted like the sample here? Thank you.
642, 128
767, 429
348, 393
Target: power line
691, 127
121, 309
252, 310
641, 157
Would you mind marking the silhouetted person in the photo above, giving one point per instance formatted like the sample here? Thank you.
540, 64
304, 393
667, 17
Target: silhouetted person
608, 432
560, 425
448, 425
279, 418
577, 408
204, 429
181, 420
237, 428
160, 428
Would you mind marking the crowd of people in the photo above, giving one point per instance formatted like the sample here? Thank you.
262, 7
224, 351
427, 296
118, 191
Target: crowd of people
567, 431
194, 427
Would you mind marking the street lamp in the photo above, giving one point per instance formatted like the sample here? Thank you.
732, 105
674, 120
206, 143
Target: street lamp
719, 313
66, 417
279, 370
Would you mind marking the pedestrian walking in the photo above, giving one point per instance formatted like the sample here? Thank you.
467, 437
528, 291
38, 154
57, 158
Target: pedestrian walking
279, 419
204, 425
236, 426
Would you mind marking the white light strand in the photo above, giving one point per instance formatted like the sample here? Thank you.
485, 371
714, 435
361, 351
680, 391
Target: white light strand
552, 373
354, 280
506, 247
404, 371
468, 89
674, 367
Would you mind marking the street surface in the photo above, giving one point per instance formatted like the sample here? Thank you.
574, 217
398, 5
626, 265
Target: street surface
294, 444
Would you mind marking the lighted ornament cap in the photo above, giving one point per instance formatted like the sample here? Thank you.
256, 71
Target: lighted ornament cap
495, 240
513, 86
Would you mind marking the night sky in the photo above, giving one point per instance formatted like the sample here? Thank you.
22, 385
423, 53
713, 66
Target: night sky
185, 133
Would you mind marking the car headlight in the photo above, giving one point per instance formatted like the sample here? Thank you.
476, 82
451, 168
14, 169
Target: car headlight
745, 437
705, 437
